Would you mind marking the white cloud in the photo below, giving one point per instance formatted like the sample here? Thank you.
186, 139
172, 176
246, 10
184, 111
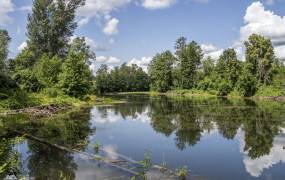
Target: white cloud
255, 167
98, 9
111, 27
264, 22
6, 6
108, 60
91, 43
25, 8
211, 50
143, 62
95, 8
157, 4
22, 46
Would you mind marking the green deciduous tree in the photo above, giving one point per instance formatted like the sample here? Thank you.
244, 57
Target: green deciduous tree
189, 58
47, 70
50, 26
228, 67
260, 54
121, 79
4, 42
247, 84
76, 77
160, 71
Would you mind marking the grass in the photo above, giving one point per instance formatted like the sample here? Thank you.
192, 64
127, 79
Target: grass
47, 97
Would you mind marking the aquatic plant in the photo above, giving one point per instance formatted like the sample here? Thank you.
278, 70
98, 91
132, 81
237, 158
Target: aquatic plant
97, 147
182, 172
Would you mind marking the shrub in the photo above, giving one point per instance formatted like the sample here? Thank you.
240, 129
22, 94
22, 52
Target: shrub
206, 84
247, 85
224, 88
76, 77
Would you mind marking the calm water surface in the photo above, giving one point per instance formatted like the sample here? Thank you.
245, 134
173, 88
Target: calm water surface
214, 138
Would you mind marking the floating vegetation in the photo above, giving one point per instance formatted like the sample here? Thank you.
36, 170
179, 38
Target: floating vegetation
182, 172
97, 147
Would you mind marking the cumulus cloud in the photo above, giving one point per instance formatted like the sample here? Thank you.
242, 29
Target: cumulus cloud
157, 4
25, 8
211, 50
142, 62
22, 46
108, 60
264, 22
255, 167
111, 27
98, 9
6, 6
91, 43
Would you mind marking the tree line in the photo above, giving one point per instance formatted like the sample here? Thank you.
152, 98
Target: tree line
121, 79
188, 69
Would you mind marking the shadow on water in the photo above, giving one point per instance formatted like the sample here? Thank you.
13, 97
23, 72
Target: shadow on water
197, 127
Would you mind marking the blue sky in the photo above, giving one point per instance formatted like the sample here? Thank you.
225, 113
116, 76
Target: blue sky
135, 30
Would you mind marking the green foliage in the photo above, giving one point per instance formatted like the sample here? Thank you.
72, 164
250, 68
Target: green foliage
48, 30
228, 67
146, 164
208, 66
224, 88
18, 99
189, 57
27, 80
267, 91
260, 54
47, 70
97, 147
76, 77
160, 71
4, 42
247, 84
121, 79
182, 172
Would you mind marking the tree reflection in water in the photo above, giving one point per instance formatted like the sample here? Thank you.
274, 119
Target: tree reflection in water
261, 121
185, 119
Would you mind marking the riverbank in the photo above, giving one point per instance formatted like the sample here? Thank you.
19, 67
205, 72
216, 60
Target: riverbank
42, 104
262, 94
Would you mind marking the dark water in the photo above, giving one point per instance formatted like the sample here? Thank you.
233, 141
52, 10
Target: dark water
214, 138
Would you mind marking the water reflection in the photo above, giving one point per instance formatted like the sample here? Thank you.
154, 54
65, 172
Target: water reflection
188, 120
193, 131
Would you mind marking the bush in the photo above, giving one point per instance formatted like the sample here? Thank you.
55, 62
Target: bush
28, 80
76, 77
224, 88
18, 100
53, 92
206, 84
47, 70
247, 85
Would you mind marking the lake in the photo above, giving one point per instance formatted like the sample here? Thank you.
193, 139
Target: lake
215, 138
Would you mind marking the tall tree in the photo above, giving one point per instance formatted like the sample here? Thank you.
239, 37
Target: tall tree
228, 66
50, 26
189, 58
4, 43
160, 71
260, 55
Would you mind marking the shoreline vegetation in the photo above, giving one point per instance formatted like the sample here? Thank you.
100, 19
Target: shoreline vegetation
202, 94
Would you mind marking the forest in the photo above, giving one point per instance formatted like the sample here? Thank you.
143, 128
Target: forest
261, 73
54, 65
